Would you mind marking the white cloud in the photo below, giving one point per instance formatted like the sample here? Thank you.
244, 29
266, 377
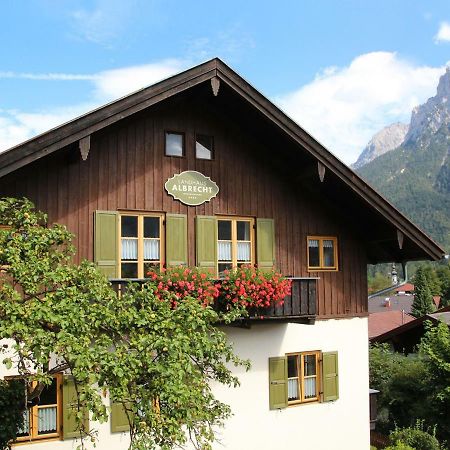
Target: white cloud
112, 84
18, 126
443, 34
344, 107
47, 76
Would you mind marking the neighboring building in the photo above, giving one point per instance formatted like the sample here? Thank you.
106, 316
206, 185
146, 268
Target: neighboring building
283, 200
405, 289
394, 303
382, 322
388, 313
405, 338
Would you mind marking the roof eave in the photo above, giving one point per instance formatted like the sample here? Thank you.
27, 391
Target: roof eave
82, 126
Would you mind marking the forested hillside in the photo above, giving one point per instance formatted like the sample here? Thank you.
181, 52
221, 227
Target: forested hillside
415, 177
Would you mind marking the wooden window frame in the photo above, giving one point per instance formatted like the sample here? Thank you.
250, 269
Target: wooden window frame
183, 145
234, 241
321, 267
300, 361
34, 435
213, 150
140, 238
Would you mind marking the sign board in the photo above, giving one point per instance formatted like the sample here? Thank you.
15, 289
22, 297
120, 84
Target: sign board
191, 188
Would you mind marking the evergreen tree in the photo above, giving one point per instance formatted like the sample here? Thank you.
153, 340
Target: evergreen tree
433, 280
443, 274
423, 299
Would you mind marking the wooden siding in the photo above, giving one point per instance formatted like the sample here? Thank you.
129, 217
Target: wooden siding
126, 170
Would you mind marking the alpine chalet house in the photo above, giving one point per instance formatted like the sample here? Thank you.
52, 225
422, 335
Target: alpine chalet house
202, 170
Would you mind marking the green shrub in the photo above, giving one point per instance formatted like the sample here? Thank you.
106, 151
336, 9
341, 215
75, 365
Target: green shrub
400, 446
416, 437
12, 404
403, 382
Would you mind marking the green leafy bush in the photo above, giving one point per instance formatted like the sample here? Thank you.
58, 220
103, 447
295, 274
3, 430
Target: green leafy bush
416, 437
400, 446
404, 385
12, 405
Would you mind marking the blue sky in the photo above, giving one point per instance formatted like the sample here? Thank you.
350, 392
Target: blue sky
342, 69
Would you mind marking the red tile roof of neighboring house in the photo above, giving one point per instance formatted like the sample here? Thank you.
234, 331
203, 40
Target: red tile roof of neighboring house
441, 315
396, 303
407, 287
382, 322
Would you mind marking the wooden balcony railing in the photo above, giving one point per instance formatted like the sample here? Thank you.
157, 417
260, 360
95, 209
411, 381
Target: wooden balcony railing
299, 306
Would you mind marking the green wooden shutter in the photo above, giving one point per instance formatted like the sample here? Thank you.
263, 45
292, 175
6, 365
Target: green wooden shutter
330, 376
206, 243
265, 243
278, 396
119, 418
106, 242
176, 240
69, 404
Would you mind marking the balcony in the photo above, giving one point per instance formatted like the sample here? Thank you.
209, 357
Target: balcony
300, 306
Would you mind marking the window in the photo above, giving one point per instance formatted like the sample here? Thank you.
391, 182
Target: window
204, 147
322, 253
235, 245
44, 419
140, 244
174, 144
303, 377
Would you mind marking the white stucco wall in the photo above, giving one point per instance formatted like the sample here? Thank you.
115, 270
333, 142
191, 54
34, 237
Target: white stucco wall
339, 425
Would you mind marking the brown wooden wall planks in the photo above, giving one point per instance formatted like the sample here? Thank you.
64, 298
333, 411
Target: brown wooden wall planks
126, 169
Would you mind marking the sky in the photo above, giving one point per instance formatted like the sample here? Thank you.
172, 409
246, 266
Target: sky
342, 69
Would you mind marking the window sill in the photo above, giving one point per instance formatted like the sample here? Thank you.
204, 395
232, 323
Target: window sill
298, 403
36, 441
322, 269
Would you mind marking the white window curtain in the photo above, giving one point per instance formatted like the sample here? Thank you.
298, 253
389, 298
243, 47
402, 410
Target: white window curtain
310, 387
224, 251
293, 389
47, 419
243, 251
129, 249
313, 243
151, 249
328, 243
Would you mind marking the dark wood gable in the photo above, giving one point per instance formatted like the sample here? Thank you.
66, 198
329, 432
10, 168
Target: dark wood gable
266, 167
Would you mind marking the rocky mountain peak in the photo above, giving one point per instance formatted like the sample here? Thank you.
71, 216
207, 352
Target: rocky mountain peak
443, 89
384, 141
426, 119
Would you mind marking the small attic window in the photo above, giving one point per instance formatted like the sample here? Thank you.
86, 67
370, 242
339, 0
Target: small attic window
204, 146
174, 144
